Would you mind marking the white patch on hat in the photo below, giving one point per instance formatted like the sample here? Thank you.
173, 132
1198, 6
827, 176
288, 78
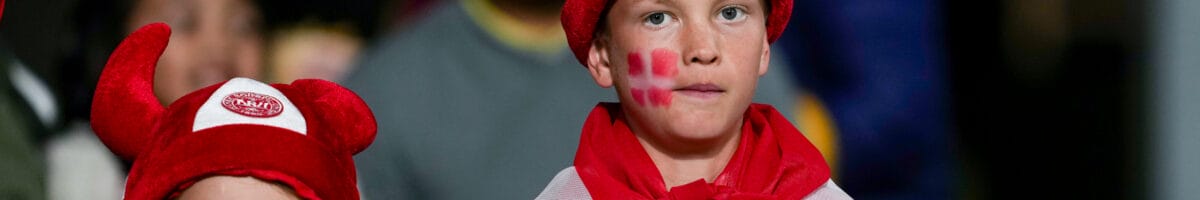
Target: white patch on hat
246, 101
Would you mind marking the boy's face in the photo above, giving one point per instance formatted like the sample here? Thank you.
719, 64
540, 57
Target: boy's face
684, 69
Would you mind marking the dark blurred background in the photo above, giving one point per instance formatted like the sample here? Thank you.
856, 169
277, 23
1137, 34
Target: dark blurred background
924, 99
1050, 97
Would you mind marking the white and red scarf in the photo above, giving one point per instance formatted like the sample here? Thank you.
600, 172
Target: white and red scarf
773, 161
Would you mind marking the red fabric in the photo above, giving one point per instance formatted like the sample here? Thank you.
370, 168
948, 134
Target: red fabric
773, 161
168, 156
135, 102
288, 158
266, 175
579, 19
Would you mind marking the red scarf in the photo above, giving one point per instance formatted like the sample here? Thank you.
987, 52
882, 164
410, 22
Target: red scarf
773, 161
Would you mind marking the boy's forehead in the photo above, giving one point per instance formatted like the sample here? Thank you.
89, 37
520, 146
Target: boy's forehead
685, 1
682, 4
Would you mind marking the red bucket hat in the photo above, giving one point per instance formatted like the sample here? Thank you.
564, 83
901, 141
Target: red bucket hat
302, 134
579, 18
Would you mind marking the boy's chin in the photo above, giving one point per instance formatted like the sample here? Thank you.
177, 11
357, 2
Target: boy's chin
705, 126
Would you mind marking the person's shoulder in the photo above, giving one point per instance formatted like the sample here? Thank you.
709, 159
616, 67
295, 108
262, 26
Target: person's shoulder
416, 54
565, 185
444, 21
444, 25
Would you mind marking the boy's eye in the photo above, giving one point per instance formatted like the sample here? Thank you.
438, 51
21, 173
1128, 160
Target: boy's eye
657, 19
732, 13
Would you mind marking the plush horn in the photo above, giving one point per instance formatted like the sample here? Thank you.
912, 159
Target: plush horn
346, 114
124, 108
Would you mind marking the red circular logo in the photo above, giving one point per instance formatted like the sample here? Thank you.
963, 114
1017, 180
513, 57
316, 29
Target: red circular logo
252, 104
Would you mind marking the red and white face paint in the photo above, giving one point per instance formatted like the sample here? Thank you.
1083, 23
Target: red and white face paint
654, 88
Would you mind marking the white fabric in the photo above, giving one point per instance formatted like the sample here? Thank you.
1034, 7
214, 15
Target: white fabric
79, 166
567, 185
35, 92
212, 114
829, 191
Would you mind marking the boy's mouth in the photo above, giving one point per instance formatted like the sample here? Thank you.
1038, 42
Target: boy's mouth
702, 91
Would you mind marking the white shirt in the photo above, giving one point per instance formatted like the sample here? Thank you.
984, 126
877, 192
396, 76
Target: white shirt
568, 185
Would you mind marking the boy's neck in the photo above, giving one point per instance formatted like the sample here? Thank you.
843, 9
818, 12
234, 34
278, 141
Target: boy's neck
683, 162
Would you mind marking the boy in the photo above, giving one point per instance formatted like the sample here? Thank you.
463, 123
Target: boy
685, 72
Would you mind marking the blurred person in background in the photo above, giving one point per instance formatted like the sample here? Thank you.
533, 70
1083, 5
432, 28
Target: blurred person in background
21, 161
30, 111
481, 99
318, 38
212, 41
312, 50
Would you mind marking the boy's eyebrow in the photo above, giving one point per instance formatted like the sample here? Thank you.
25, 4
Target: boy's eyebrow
668, 2
661, 1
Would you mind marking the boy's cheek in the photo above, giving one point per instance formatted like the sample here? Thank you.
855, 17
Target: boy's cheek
651, 75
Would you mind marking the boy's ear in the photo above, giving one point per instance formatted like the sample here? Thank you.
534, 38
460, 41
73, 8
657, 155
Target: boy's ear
765, 61
598, 64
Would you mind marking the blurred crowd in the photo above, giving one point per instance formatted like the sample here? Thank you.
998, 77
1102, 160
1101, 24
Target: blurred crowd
481, 99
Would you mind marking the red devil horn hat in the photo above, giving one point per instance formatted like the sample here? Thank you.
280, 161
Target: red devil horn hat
301, 134
128, 80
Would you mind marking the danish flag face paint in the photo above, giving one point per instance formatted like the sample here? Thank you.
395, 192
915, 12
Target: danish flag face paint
652, 78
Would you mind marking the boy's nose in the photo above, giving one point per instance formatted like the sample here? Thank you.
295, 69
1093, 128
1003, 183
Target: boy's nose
700, 45
702, 56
